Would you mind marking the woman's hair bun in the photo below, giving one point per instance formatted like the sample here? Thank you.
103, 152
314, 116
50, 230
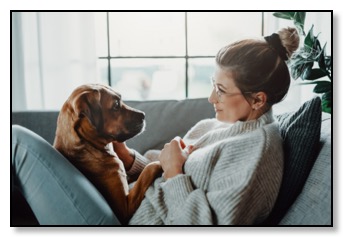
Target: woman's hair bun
289, 39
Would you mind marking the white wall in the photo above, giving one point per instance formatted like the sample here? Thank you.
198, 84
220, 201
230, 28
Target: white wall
58, 53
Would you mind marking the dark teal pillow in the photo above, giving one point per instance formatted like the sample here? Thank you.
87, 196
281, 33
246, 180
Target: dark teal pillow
300, 131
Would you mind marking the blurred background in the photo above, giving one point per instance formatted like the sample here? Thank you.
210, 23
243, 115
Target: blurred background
143, 55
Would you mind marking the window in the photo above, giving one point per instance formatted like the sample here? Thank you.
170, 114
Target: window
143, 55
166, 55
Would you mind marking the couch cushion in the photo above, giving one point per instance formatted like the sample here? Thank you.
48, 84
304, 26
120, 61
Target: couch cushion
301, 132
314, 204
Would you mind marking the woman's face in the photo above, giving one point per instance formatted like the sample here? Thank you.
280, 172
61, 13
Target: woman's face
228, 101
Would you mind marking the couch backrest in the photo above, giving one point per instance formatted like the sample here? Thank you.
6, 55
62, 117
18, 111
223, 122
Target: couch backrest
164, 121
167, 119
40, 122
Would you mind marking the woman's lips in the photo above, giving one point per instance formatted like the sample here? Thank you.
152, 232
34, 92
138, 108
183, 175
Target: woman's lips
217, 110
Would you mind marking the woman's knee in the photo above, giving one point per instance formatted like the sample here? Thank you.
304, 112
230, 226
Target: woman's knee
26, 143
26, 137
17, 131
20, 134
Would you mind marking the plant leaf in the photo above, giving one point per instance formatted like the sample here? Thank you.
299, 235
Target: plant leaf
322, 87
313, 74
328, 62
326, 105
327, 96
295, 73
300, 66
284, 15
309, 40
301, 57
299, 17
299, 20
321, 58
316, 45
306, 70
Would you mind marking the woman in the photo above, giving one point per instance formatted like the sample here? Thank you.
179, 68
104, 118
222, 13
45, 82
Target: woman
224, 171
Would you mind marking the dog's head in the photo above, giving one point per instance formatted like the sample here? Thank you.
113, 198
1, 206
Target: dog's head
97, 113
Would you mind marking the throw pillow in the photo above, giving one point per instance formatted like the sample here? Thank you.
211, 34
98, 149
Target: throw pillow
300, 131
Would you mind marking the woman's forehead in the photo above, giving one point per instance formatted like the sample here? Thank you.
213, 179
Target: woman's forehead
224, 77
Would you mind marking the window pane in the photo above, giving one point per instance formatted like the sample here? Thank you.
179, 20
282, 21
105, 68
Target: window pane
217, 29
100, 23
102, 71
149, 79
200, 71
147, 33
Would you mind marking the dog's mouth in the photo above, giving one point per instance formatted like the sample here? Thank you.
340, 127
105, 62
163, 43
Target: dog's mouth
123, 137
131, 132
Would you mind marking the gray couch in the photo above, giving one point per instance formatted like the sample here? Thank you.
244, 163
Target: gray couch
167, 119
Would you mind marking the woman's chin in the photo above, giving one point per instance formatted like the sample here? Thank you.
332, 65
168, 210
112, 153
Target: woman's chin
219, 116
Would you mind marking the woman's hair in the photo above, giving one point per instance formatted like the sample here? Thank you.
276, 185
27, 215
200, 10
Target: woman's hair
260, 65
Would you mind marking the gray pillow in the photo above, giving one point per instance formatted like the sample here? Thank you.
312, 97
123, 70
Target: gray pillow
300, 131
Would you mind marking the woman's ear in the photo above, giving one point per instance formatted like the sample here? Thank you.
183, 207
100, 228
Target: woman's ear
259, 101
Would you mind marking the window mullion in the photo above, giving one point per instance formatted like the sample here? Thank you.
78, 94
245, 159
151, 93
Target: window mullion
108, 50
186, 57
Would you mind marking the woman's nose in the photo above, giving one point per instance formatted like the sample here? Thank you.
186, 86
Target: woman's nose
212, 99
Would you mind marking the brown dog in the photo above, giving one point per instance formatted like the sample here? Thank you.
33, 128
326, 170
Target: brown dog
91, 118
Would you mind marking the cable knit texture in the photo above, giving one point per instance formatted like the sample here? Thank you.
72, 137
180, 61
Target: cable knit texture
231, 178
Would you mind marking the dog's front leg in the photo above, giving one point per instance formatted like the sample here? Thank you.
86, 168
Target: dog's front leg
145, 179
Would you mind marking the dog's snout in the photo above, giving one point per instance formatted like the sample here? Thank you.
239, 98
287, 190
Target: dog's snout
138, 115
141, 115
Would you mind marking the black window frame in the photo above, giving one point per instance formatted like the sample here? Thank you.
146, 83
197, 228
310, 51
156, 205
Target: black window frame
109, 58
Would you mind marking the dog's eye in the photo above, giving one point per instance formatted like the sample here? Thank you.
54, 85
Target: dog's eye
116, 105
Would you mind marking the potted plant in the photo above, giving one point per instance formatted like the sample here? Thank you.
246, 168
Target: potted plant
310, 62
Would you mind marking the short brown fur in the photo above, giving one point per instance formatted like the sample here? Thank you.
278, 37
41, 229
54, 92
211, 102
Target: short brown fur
92, 117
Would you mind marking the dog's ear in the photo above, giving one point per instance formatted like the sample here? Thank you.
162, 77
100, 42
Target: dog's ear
87, 105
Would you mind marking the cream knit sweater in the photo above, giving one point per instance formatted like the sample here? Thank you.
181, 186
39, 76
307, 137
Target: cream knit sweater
231, 178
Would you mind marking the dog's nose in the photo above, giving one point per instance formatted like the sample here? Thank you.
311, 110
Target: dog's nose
142, 115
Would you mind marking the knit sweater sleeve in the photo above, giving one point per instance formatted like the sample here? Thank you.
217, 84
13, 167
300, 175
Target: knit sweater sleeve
138, 165
236, 192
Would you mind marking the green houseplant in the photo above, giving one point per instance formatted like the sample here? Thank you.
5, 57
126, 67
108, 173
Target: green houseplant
310, 62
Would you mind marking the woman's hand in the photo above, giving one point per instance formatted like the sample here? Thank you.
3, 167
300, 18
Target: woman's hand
125, 154
173, 156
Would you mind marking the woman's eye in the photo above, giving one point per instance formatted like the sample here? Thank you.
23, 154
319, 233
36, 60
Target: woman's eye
221, 91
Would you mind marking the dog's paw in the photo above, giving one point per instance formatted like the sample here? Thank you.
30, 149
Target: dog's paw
155, 168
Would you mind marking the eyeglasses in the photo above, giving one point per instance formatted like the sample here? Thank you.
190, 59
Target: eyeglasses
220, 92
